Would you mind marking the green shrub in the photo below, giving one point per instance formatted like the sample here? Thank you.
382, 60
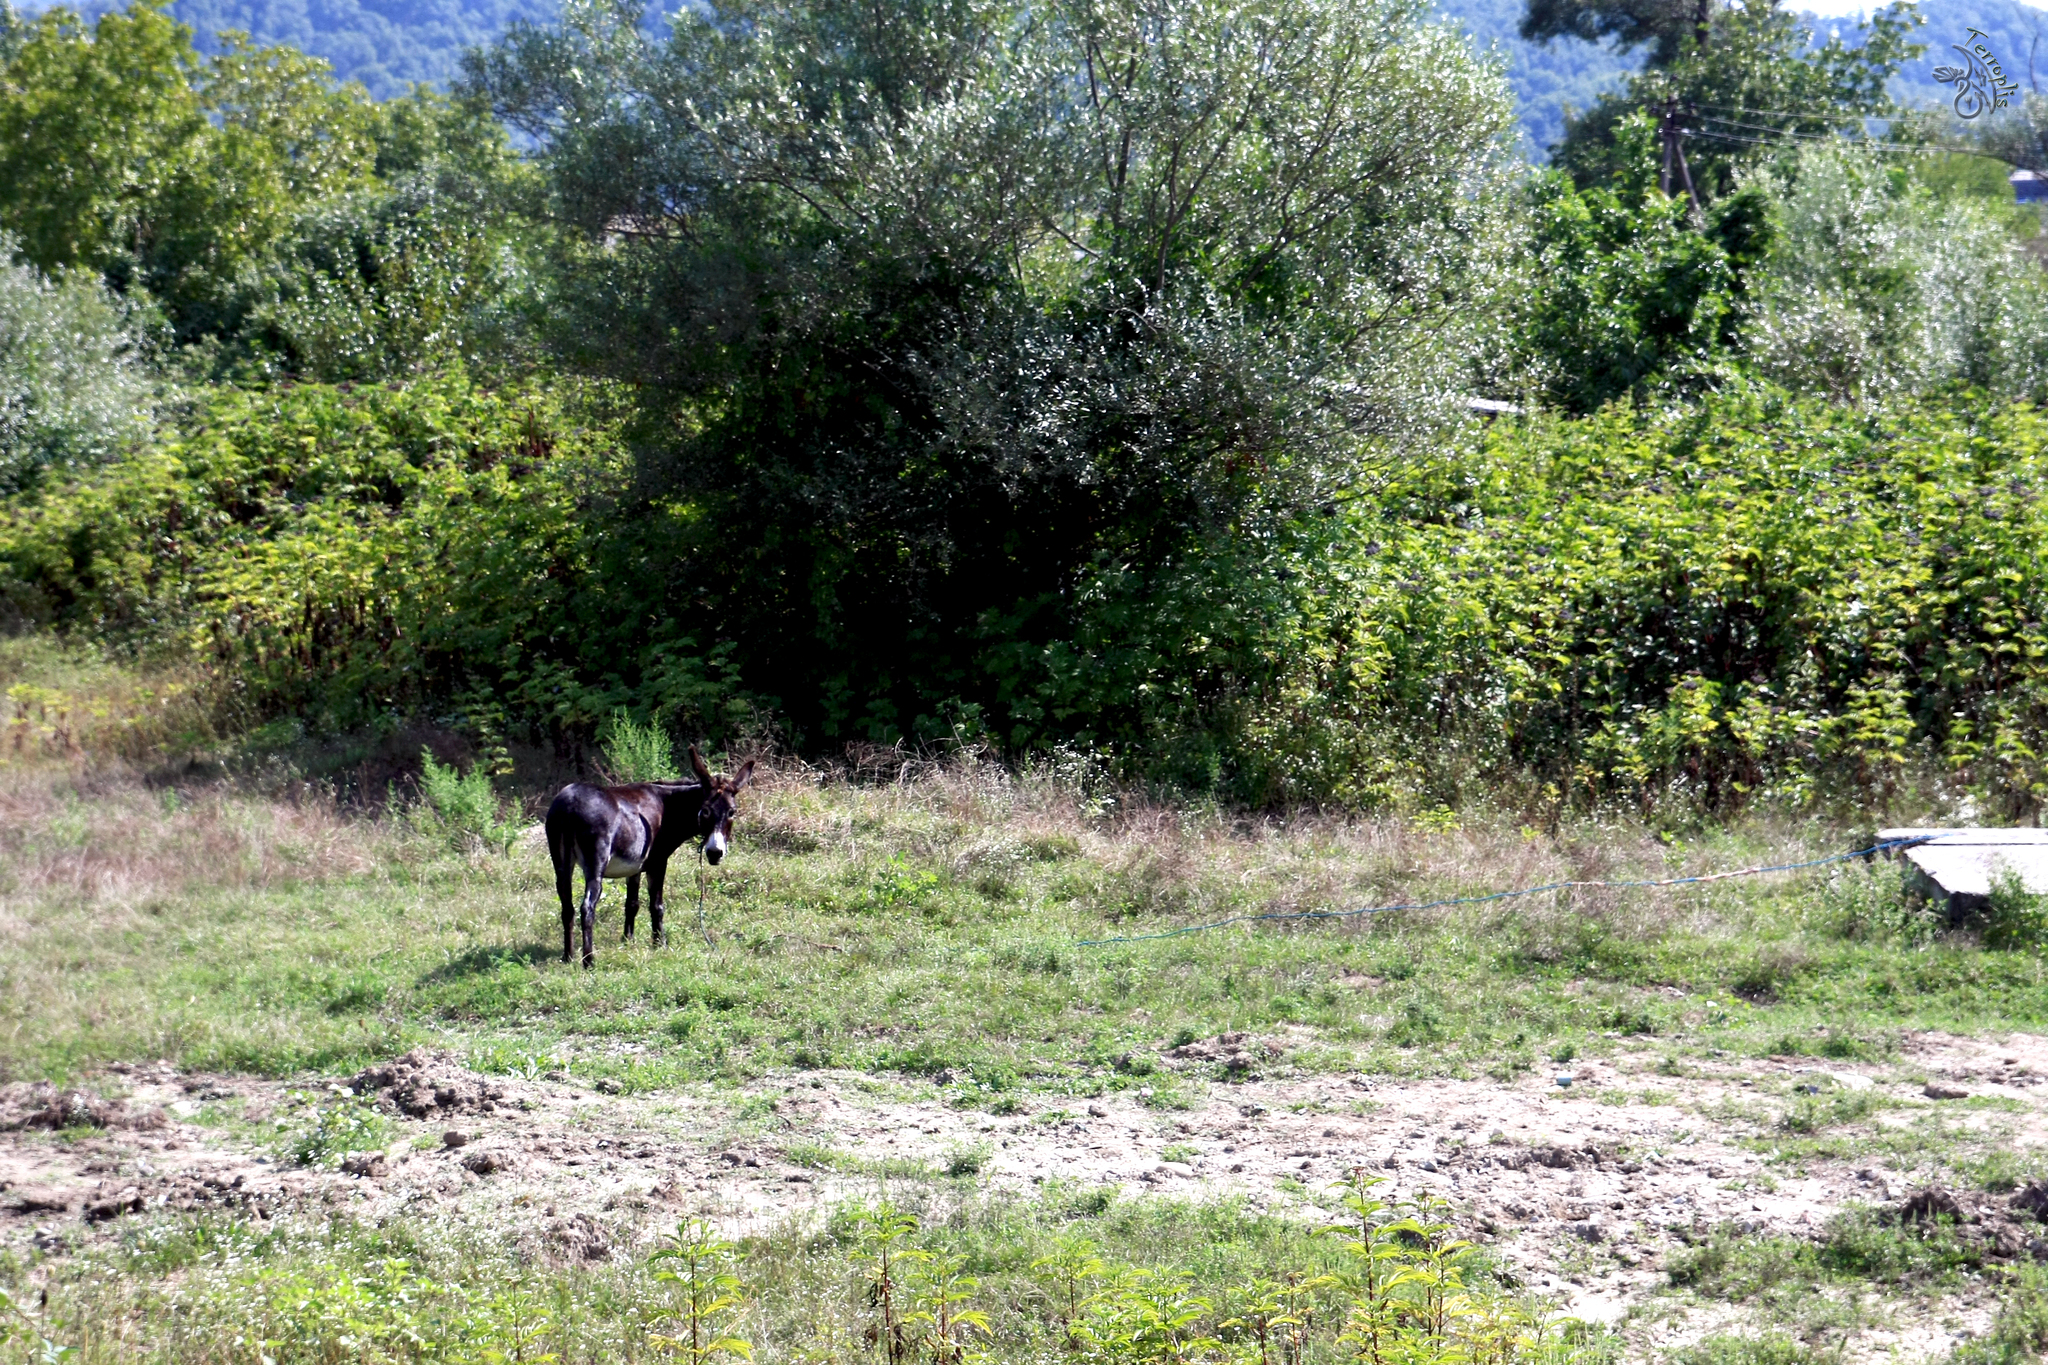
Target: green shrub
462, 806
74, 390
966, 1160
2015, 918
636, 752
1552, 605
344, 553
2020, 1332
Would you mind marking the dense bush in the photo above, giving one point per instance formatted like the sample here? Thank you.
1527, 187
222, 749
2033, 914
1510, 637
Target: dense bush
1878, 286
350, 554
925, 391
74, 386
940, 327
1751, 594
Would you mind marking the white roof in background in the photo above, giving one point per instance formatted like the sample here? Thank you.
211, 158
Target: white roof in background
2027, 175
1965, 861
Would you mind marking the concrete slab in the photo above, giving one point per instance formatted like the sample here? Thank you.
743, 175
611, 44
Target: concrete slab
1963, 863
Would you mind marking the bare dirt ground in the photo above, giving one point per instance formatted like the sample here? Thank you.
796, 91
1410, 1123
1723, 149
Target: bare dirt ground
1584, 1177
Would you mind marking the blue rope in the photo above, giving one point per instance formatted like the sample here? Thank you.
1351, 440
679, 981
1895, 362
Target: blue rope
1883, 847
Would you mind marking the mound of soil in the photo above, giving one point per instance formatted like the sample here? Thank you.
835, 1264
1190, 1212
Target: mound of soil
1997, 1234
43, 1105
1239, 1053
424, 1084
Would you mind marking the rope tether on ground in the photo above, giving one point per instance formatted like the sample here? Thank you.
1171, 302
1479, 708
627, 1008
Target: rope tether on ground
1883, 846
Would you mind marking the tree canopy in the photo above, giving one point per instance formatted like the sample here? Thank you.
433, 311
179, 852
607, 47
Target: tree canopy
973, 318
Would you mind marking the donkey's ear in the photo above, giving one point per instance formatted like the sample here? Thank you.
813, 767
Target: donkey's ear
743, 776
697, 764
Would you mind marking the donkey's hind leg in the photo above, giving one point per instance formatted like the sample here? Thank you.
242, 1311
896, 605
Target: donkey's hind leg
593, 887
565, 881
632, 906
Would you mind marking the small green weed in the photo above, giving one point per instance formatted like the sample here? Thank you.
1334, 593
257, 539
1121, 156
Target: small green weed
1167, 1095
756, 1107
2019, 1335
1736, 1349
330, 1127
1829, 1109
697, 1265
814, 1156
966, 1160
1179, 1151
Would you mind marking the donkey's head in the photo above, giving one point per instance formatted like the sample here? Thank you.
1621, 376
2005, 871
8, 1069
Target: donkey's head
721, 801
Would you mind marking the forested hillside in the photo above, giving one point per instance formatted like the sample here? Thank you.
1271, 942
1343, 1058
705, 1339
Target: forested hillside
385, 44
1548, 78
389, 45
2016, 32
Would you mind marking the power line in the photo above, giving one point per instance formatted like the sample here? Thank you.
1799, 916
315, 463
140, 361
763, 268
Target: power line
1835, 139
1819, 116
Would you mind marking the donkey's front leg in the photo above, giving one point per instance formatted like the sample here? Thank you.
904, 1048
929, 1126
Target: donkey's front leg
657, 874
632, 906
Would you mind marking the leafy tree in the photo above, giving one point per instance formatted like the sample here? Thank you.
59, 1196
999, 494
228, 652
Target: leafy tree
1878, 286
249, 197
972, 325
397, 278
122, 152
279, 136
94, 129
2017, 136
1662, 25
1627, 292
1755, 86
429, 263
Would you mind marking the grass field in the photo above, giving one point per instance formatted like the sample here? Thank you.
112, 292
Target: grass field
936, 925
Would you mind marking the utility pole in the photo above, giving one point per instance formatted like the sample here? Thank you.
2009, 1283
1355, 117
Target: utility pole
1674, 152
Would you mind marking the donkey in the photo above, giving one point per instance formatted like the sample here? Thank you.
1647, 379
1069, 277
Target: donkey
614, 832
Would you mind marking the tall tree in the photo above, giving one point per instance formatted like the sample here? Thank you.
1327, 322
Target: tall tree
1664, 26
1757, 86
972, 320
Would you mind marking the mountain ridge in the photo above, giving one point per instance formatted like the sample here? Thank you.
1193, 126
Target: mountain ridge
388, 45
